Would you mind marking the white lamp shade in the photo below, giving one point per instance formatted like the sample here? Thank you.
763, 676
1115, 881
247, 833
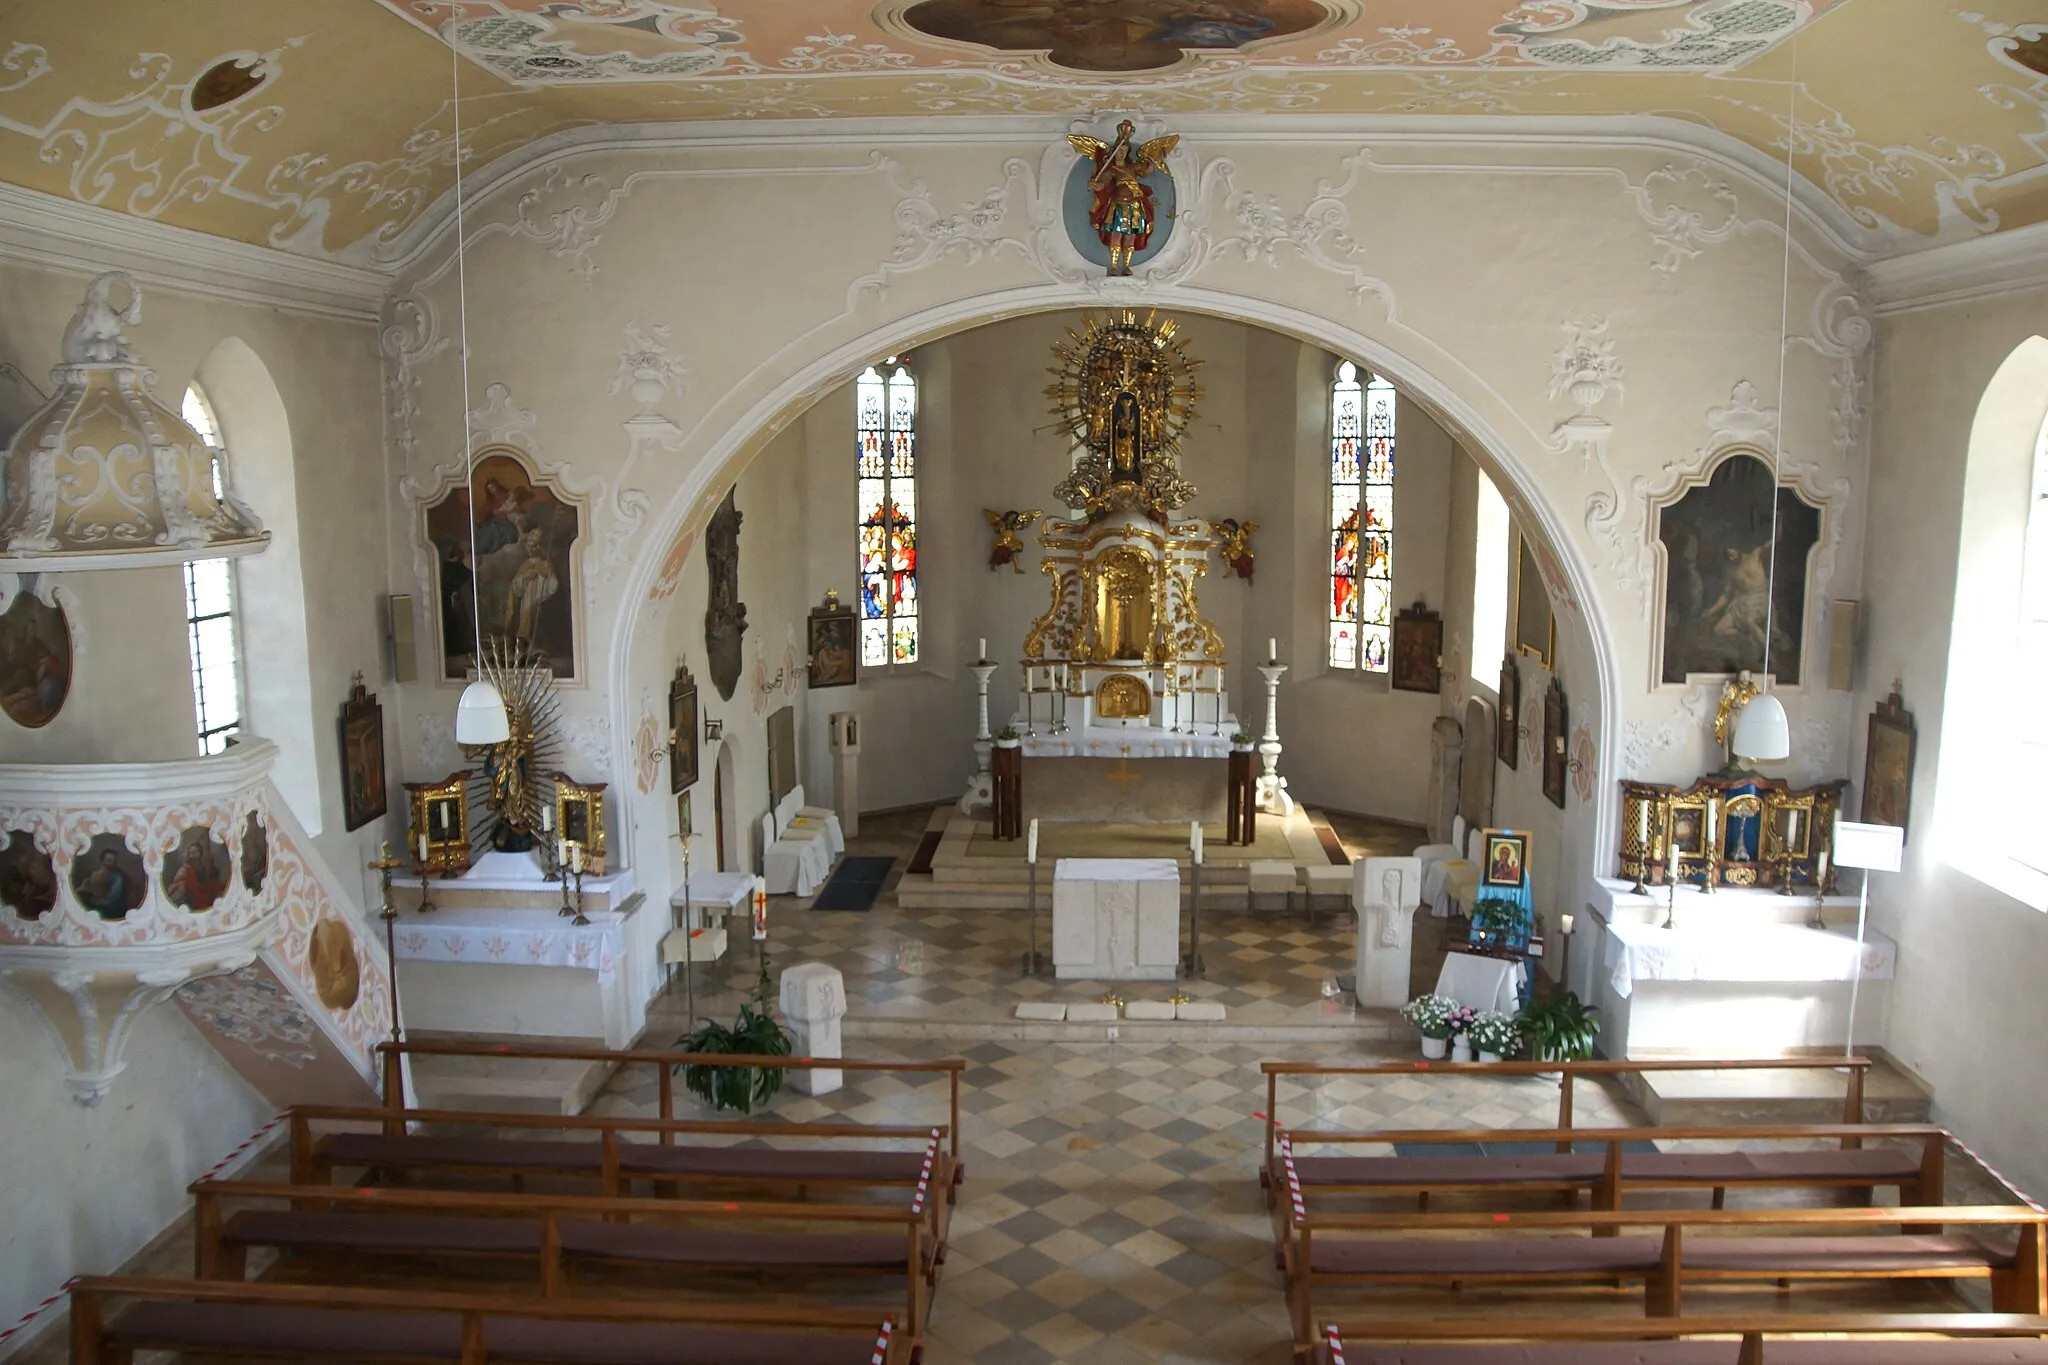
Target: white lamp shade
481, 718
1761, 731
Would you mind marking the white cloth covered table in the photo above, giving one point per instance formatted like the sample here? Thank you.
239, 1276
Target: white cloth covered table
721, 893
513, 938
1116, 919
1112, 741
793, 805
1484, 983
1763, 952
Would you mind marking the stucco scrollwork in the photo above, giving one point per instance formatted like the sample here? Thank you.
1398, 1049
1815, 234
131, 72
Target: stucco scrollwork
1688, 210
1586, 370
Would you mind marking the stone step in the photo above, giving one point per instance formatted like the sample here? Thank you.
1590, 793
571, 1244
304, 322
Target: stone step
1361, 1032
1707, 1098
912, 895
505, 1084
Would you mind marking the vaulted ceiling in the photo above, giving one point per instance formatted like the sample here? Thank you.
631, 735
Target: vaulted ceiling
325, 126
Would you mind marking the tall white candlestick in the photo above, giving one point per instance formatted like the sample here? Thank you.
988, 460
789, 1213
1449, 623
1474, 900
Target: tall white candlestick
547, 818
981, 649
423, 847
1272, 649
1031, 842
1195, 842
1791, 828
575, 857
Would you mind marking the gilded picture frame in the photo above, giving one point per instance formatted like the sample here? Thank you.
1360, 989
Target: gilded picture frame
439, 812
579, 819
1888, 763
1506, 860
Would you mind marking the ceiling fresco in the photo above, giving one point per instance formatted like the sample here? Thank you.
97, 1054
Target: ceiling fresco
325, 126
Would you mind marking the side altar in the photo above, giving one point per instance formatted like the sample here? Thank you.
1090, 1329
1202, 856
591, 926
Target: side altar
1124, 717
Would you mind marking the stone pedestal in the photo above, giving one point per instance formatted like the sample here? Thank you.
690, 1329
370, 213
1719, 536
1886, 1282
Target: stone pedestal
845, 736
813, 998
1116, 919
1385, 892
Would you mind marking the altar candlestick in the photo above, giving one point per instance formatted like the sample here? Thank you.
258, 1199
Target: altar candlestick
576, 859
1031, 842
1272, 649
1195, 842
1820, 874
981, 649
1791, 828
760, 907
423, 847
1643, 829
547, 818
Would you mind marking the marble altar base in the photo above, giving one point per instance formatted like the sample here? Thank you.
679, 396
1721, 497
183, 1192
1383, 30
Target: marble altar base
1116, 919
1125, 791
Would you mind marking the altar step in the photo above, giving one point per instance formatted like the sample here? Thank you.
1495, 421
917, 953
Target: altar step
1674, 1099
1368, 1029
504, 1084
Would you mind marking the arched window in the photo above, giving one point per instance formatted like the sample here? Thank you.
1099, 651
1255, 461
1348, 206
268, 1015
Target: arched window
1361, 520
2031, 849
885, 418
1491, 532
210, 616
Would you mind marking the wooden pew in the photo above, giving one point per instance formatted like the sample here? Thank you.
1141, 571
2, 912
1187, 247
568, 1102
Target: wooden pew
561, 1232
318, 1322
1833, 1244
1612, 1170
1568, 1074
609, 1157
1745, 1339
665, 1063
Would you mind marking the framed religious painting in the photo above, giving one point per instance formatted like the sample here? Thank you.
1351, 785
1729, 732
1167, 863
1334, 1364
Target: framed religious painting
506, 549
1506, 860
1508, 719
1888, 763
363, 796
683, 754
1555, 724
1417, 655
833, 658
437, 829
579, 819
1535, 622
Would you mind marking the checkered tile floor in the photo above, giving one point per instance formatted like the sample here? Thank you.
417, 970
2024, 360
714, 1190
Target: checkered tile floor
1112, 1211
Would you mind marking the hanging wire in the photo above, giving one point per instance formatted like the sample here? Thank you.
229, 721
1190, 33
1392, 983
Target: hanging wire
476, 610
1784, 331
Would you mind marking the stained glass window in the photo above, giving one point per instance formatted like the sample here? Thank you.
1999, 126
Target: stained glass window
210, 617
885, 421
1361, 520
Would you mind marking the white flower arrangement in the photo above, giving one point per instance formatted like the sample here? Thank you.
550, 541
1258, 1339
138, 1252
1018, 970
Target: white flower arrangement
1494, 1032
1430, 1014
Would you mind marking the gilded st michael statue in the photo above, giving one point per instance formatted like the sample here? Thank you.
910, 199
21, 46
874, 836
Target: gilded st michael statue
1123, 214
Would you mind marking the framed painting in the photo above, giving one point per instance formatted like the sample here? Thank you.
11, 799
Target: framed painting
1888, 763
1506, 862
1726, 583
108, 878
363, 796
579, 819
1508, 719
196, 871
28, 879
1535, 622
831, 646
1555, 723
683, 753
519, 583
35, 656
1417, 662
437, 832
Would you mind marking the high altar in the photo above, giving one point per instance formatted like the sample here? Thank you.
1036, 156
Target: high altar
1122, 664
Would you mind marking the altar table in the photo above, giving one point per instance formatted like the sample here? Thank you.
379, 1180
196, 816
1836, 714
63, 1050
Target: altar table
1116, 919
1125, 790
1768, 952
493, 970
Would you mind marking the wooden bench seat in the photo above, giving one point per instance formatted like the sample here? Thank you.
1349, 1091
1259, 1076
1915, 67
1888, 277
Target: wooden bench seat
780, 1166
319, 1230
1745, 1339
317, 1322
1781, 1257
714, 1249
1416, 1259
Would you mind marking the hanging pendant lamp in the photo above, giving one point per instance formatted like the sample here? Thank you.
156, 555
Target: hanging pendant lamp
1763, 734
480, 717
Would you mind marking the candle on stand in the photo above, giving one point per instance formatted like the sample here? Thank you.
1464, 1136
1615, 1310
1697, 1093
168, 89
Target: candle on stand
1673, 862
760, 907
1031, 842
1195, 842
1820, 874
1791, 829
576, 857
1643, 827
981, 649
384, 851
547, 818
1272, 649
423, 846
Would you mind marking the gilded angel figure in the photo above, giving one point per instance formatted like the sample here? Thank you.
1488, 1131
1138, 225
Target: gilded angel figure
1009, 546
1123, 214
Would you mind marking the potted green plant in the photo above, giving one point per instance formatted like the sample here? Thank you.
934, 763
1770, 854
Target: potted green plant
1498, 922
745, 1088
1560, 1029
1431, 1016
1007, 738
1241, 741
1494, 1035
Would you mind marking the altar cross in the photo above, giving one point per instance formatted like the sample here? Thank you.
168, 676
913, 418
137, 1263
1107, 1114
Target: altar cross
1124, 776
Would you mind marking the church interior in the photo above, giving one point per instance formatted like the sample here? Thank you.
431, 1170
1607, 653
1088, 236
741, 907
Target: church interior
1012, 681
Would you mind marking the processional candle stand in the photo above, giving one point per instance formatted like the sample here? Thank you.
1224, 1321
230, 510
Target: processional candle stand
1034, 961
1194, 966
385, 864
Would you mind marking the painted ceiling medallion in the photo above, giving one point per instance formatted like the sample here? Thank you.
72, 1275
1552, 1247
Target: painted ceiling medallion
107, 476
1115, 37
225, 82
581, 42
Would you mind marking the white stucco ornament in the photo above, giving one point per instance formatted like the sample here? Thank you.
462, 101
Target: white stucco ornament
1585, 370
105, 475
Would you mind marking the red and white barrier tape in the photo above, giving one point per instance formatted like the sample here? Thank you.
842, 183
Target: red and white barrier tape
1992, 1171
246, 1144
882, 1342
32, 1314
1336, 1343
924, 1179
1293, 1179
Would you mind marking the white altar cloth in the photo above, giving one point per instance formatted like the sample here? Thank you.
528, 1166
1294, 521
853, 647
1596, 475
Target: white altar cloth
1114, 741
719, 893
1764, 952
1116, 919
514, 938
1483, 983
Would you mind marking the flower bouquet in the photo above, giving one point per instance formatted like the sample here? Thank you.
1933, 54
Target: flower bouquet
1431, 1016
1494, 1036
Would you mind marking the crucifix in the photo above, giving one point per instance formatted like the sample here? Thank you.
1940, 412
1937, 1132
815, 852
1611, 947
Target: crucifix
1124, 776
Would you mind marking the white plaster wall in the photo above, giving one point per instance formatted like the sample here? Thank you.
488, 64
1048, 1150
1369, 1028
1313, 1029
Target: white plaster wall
91, 1187
1967, 1009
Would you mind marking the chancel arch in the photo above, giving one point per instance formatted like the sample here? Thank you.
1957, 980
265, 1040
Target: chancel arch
1466, 408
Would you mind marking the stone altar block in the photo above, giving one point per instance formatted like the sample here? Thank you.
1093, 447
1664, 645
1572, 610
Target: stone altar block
813, 997
1116, 919
1385, 893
